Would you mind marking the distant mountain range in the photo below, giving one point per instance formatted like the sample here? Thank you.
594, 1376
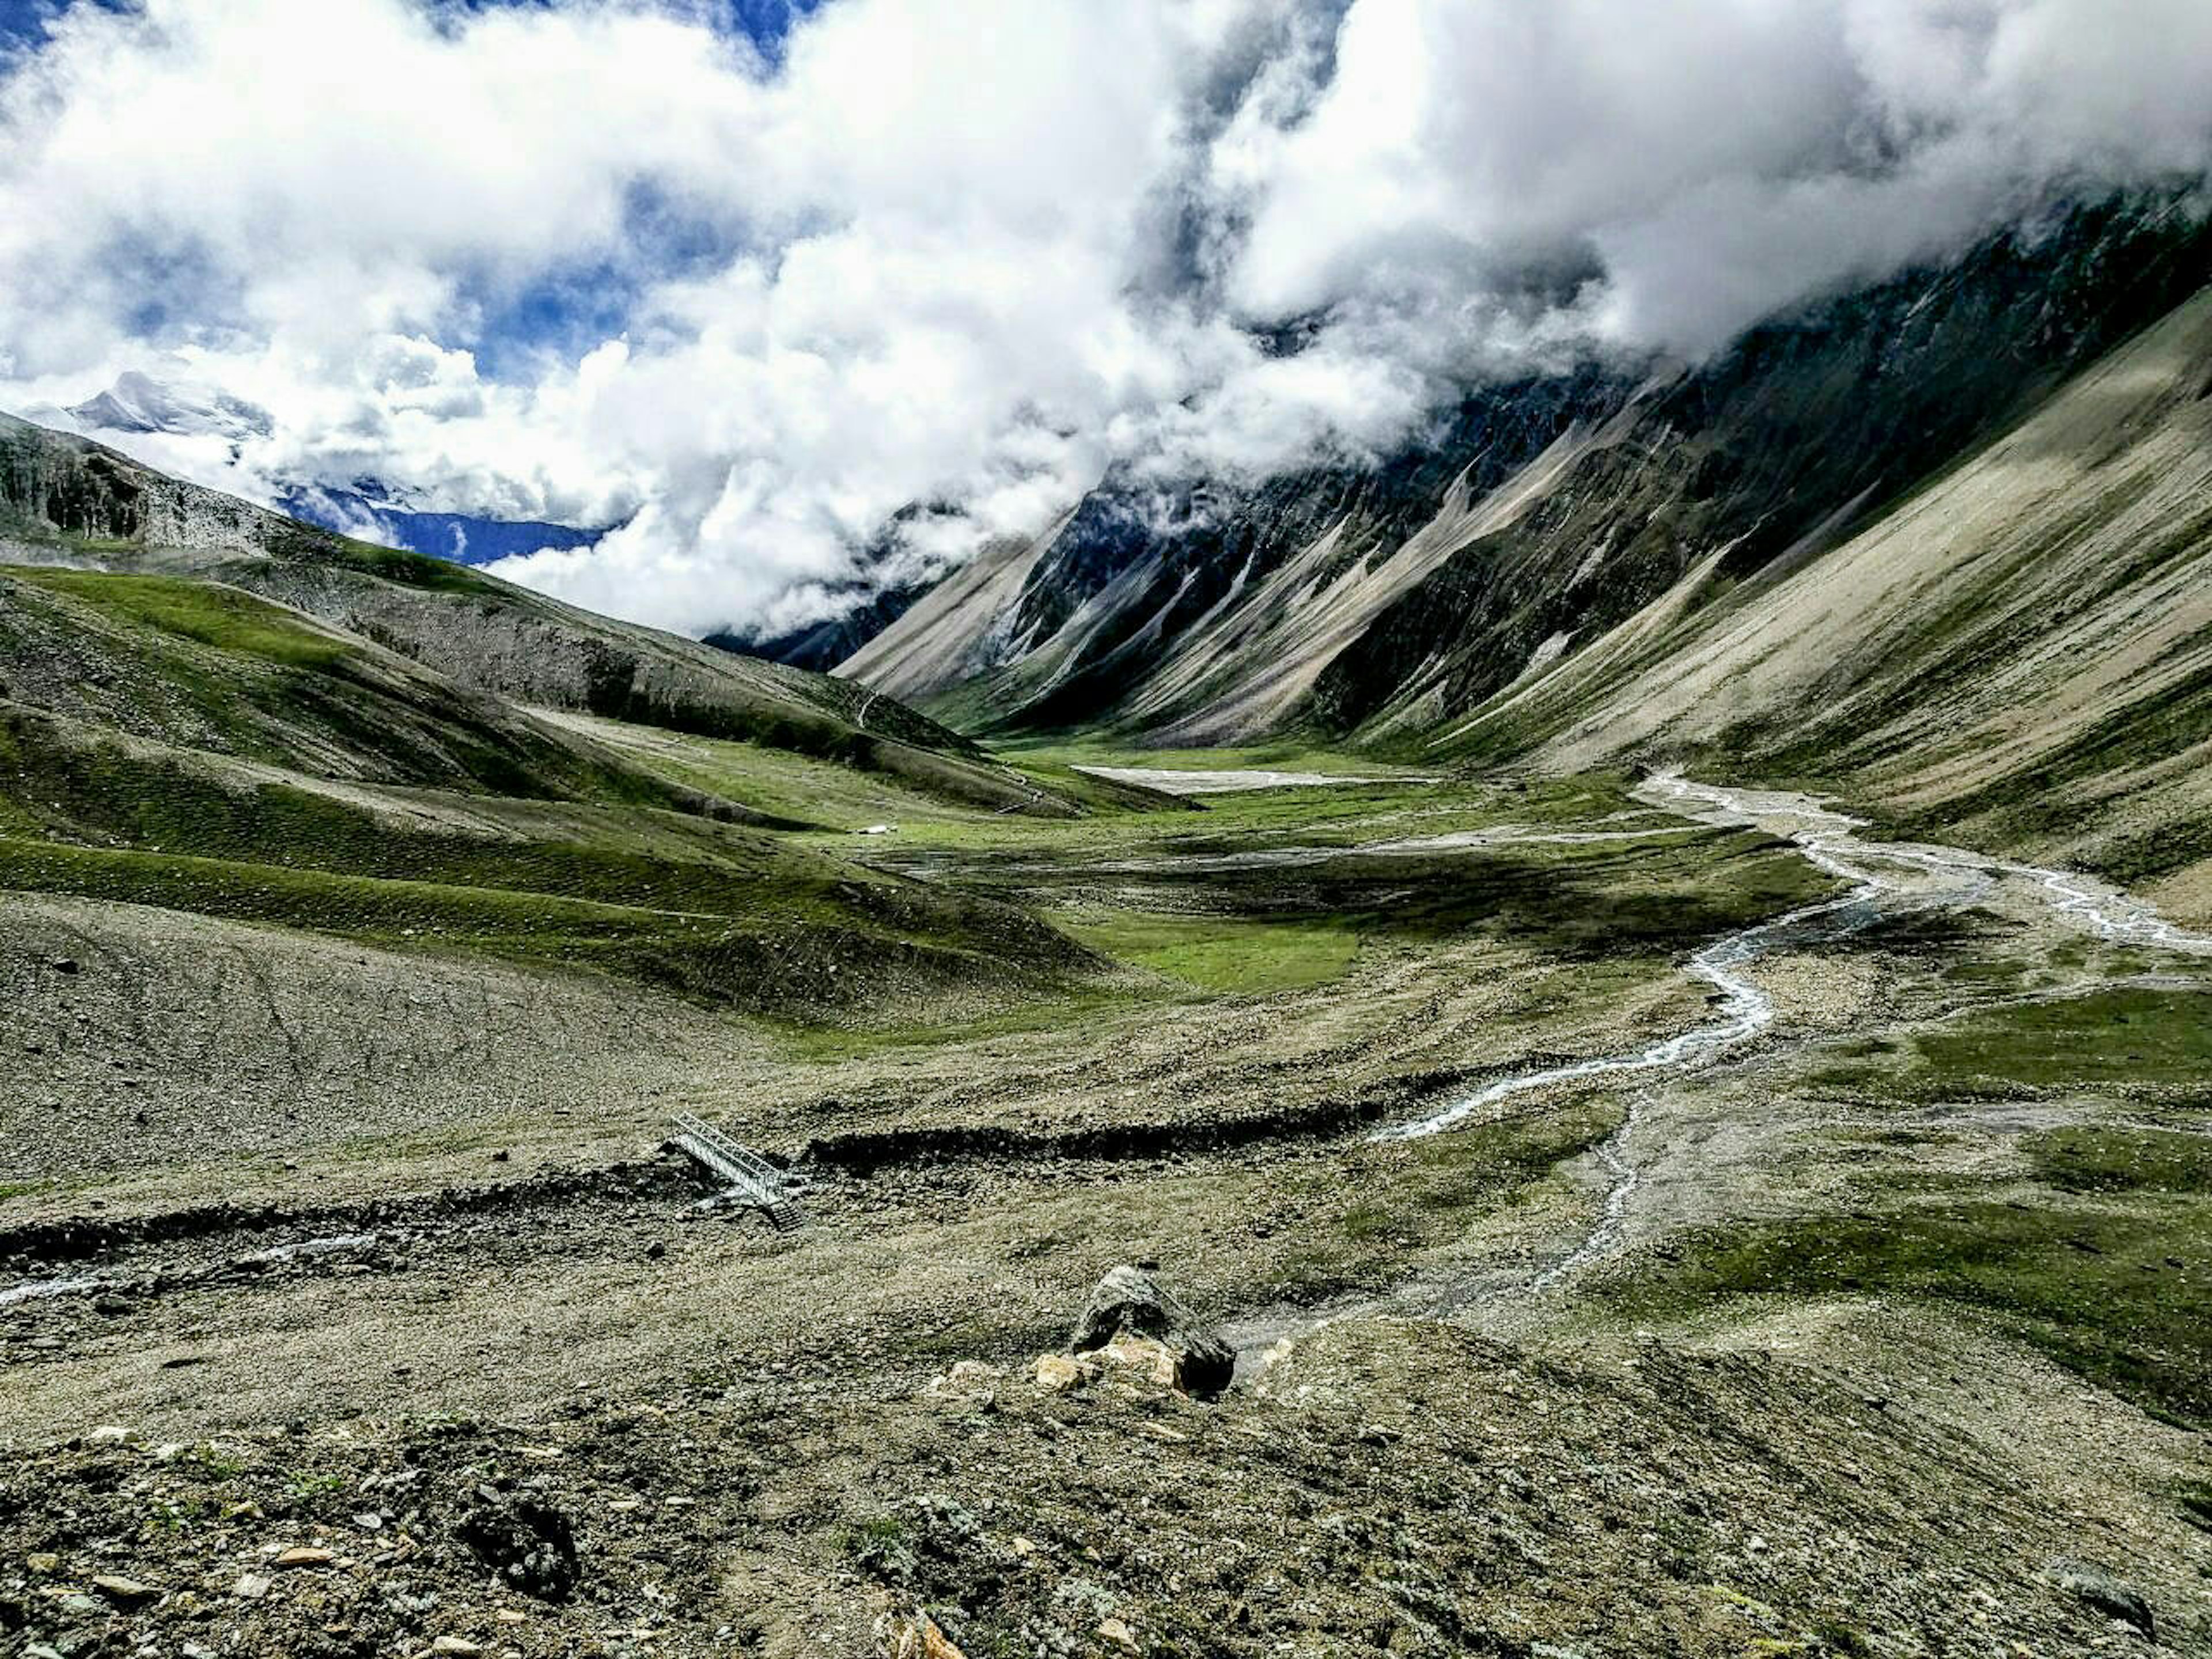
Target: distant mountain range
1385, 601
366, 511
366, 508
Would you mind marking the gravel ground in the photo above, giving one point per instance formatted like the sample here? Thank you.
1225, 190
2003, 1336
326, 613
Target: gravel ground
512, 1391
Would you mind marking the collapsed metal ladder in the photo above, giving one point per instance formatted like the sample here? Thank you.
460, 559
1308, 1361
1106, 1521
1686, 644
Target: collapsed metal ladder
748, 1177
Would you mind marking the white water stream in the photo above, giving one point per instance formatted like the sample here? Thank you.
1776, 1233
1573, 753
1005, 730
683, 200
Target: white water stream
1946, 878
1886, 877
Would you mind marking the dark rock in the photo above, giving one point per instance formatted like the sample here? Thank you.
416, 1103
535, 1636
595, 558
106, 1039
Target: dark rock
1130, 1300
2093, 1587
530, 1544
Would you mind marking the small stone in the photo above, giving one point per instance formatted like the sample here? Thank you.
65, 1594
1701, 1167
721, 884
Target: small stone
459, 1646
125, 1592
1057, 1373
968, 1379
1114, 1631
303, 1555
42, 1563
107, 1434
924, 1639
1141, 1354
369, 1520
2095, 1587
250, 1587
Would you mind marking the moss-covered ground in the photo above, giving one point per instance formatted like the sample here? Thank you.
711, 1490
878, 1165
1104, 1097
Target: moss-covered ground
2091, 1242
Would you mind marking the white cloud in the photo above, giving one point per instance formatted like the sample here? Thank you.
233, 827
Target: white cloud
969, 252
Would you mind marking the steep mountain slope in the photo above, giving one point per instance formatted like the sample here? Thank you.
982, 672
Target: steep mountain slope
2022, 652
68, 501
1387, 601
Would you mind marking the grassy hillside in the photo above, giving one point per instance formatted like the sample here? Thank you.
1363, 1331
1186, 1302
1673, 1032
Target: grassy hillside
205, 667
65, 500
175, 743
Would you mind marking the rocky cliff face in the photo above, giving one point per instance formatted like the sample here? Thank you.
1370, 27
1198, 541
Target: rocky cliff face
54, 485
1382, 601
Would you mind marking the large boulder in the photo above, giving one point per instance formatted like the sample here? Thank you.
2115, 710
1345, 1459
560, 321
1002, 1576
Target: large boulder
1129, 1304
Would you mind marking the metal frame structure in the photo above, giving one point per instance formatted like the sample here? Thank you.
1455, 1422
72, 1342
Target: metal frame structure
751, 1178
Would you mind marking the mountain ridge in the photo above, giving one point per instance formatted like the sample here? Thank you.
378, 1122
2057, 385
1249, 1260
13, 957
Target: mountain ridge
1777, 449
68, 500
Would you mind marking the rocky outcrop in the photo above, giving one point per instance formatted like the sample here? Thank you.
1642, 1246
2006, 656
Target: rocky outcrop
54, 484
1134, 1318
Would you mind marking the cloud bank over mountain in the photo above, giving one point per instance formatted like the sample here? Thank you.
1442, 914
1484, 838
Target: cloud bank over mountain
603, 263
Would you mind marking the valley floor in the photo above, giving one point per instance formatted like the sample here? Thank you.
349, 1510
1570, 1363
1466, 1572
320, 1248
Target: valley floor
348, 1304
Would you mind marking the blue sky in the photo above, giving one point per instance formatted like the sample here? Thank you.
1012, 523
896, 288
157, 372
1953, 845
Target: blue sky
765, 22
563, 310
23, 21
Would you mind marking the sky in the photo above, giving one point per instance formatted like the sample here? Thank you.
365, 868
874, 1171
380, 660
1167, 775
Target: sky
745, 278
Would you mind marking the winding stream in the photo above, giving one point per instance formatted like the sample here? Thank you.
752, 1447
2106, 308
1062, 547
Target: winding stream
1941, 878
1887, 879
